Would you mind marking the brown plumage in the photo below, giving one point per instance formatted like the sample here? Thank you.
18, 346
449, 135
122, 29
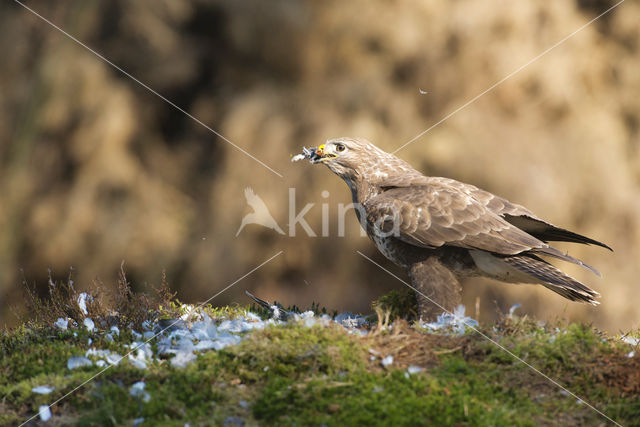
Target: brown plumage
441, 230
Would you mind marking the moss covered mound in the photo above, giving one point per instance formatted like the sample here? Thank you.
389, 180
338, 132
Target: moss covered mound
295, 374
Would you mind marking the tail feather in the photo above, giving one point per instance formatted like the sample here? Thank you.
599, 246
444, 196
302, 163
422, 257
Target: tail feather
552, 278
551, 251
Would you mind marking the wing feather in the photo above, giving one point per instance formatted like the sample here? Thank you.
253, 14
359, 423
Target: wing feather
436, 211
435, 215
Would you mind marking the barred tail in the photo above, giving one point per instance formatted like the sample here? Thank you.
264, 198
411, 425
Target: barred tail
552, 278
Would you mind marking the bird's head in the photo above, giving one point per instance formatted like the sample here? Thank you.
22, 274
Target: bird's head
355, 159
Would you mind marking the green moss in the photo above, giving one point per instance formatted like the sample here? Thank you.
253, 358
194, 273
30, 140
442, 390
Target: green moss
293, 351
393, 398
291, 374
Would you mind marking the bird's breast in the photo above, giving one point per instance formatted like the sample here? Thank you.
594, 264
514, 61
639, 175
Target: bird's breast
384, 246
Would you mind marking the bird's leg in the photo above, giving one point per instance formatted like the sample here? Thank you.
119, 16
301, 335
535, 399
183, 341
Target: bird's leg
437, 288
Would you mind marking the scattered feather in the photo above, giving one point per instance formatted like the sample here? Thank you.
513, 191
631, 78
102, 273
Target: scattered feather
82, 302
45, 412
413, 369
88, 323
42, 389
78, 362
137, 390
306, 154
387, 361
513, 309
455, 323
351, 321
62, 324
182, 359
113, 359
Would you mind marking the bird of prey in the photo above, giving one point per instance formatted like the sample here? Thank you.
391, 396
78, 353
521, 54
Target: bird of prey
441, 230
260, 214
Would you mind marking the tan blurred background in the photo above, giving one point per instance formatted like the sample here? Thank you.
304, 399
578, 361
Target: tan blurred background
94, 169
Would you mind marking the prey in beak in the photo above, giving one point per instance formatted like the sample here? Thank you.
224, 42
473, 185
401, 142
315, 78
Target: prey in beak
314, 154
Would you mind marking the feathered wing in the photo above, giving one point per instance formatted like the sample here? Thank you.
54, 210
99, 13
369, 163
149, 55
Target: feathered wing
524, 219
513, 213
432, 216
548, 232
448, 212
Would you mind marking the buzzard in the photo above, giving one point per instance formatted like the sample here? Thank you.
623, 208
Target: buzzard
441, 230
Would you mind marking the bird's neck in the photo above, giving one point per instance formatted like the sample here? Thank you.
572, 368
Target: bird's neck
361, 191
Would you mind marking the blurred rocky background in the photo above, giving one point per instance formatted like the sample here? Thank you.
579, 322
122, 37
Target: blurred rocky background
95, 169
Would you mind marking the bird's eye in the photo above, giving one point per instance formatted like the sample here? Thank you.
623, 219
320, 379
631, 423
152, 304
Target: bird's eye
340, 148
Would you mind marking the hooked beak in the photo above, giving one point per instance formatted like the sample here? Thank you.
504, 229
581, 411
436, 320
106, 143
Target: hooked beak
318, 154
